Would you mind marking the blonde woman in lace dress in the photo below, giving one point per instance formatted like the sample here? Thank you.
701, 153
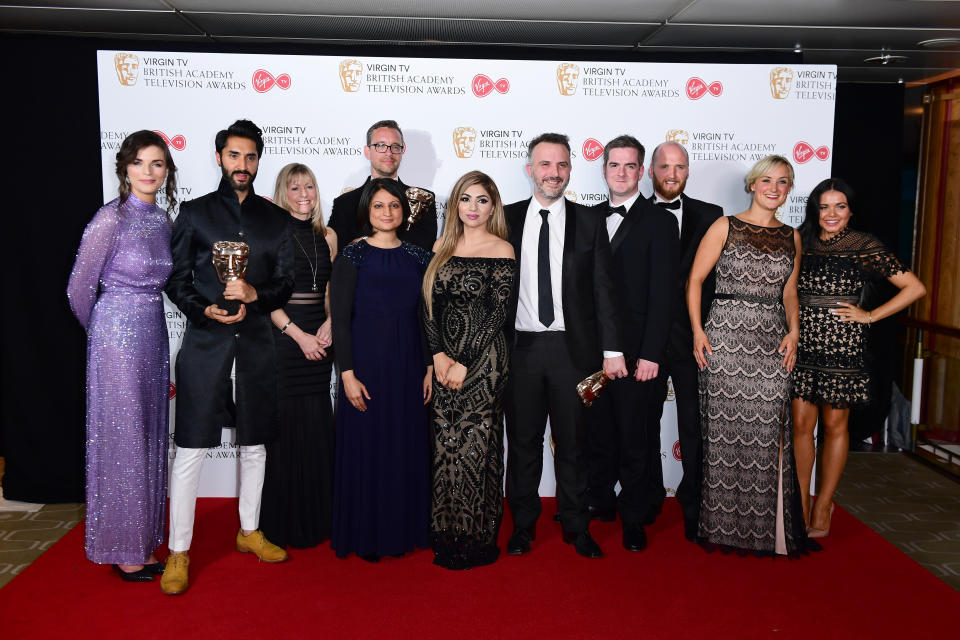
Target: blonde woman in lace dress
746, 352
830, 377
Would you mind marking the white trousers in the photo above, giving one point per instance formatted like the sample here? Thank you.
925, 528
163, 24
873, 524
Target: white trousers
185, 484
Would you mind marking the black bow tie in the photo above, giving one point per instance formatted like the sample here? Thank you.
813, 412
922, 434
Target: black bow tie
673, 206
622, 210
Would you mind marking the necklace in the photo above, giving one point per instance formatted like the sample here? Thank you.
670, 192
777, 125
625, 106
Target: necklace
316, 261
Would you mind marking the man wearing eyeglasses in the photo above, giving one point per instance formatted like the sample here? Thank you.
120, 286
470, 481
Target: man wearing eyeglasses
385, 149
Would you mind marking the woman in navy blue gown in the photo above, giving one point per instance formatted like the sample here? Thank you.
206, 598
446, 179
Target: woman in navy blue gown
381, 501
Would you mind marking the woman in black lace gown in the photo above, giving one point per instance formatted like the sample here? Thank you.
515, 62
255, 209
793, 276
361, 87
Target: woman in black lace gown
298, 479
830, 376
750, 498
466, 289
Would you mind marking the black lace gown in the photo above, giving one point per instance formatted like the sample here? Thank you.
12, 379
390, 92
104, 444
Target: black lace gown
830, 362
469, 310
750, 498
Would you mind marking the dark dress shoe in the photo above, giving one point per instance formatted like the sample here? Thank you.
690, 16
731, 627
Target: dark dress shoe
603, 514
583, 544
155, 568
143, 575
370, 557
519, 542
634, 538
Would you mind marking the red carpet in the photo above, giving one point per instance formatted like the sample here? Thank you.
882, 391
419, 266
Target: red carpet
859, 586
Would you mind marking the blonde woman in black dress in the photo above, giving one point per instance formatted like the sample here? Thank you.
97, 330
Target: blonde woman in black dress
466, 289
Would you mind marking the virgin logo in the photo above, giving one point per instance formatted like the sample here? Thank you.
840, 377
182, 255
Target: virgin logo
697, 88
676, 451
483, 86
592, 149
263, 81
803, 152
178, 142
173, 390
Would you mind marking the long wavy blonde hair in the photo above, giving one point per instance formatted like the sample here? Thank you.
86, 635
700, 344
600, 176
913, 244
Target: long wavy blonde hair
285, 178
453, 227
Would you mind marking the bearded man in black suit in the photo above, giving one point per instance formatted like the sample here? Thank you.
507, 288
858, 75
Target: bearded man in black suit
563, 320
385, 148
669, 170
624, 422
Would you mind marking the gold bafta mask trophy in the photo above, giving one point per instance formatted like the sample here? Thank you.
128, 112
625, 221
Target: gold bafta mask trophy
590, 387
230, 261
420, 201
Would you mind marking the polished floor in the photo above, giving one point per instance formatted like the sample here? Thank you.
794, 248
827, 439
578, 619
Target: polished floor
914, 507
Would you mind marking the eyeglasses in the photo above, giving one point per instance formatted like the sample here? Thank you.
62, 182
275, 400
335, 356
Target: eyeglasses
381, 147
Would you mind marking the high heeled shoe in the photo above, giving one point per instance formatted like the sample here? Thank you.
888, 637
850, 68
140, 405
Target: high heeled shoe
813, 532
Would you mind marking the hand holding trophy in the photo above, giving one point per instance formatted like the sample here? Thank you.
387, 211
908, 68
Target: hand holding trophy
230, 261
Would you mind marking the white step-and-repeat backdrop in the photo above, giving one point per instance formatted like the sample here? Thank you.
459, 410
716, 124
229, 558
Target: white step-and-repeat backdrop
458, 115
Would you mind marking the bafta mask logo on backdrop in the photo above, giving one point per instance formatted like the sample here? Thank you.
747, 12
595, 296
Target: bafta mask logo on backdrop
567, 75
781, 79
263, 81
483, 86
464, 141
592, 149
697, 88
177, 142
128, 68
679, 136
676, 451
351, 72
803, 152
570, 195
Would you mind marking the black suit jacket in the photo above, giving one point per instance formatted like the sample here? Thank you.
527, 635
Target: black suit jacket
209, 346
646, 254
590, 313
343, 220
697, 218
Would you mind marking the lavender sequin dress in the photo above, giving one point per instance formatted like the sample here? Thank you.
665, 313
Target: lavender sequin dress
115, 292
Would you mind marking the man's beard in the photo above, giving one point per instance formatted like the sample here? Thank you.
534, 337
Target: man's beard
670, 192
236, 186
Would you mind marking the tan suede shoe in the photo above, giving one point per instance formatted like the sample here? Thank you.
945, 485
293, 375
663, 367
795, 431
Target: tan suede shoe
257, 543
174, 580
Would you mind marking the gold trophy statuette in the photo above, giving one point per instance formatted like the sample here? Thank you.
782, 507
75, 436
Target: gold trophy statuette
590, 387
420, 200
230, 261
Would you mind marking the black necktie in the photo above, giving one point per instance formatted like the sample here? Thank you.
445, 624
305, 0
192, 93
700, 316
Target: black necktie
622, 210
673, 206
544, 288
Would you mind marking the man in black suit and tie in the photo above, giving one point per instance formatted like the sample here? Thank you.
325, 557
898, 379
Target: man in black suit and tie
624, 424
669, 170
565, 318
385, 149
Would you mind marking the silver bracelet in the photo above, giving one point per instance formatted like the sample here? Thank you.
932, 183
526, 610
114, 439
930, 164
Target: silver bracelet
284, 329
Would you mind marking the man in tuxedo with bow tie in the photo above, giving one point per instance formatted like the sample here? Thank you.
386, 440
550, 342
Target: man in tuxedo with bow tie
562, 326
624, 424
669, 170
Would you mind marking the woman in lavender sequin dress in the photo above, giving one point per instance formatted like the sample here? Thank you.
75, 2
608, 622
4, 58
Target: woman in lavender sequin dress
115, 292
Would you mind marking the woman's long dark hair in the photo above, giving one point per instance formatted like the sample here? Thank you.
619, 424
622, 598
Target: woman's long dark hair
810, 228
363, 209
128, 153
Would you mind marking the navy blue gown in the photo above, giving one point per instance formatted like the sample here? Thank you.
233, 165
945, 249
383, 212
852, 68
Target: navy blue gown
381, 502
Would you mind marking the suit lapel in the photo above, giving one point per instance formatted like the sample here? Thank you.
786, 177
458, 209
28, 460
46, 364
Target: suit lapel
515, 223
633, 215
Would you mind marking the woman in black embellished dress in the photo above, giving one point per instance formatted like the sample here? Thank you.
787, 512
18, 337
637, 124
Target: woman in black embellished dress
298, 479
466, 289
750, 499
830, 376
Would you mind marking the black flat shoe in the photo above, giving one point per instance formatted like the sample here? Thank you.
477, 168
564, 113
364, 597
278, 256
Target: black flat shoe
155, 568
634, 538
143, 575
583, 543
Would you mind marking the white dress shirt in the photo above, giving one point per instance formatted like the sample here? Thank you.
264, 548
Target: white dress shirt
528, 316
614, 220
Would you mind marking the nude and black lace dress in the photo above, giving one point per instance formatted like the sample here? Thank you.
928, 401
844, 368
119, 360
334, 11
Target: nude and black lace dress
750, 496
830, 362
469, 310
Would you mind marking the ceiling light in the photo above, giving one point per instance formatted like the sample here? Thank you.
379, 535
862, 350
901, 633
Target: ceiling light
940, 43
798, 48
886, 58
